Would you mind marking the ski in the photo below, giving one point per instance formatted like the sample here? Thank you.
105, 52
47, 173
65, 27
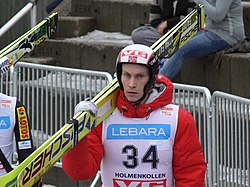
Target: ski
40, 161
168, 44
13, 52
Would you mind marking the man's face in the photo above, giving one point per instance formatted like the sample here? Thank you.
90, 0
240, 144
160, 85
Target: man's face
134, 77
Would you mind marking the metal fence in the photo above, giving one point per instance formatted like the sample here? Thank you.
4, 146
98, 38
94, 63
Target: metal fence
231, 140
196, 100
223, 123
6, 83
50, 94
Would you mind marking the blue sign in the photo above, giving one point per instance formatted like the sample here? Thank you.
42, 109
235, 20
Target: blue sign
4, 122
138, 131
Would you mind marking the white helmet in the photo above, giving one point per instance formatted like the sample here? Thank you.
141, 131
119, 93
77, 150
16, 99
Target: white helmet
139, 54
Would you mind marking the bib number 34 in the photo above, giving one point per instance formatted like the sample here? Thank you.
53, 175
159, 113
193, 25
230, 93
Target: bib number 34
150, 157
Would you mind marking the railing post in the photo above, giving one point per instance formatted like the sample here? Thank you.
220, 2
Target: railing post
33, 13
16, 18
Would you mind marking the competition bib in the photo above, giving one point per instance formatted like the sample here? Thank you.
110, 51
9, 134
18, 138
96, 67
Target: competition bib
7, 123
138, 151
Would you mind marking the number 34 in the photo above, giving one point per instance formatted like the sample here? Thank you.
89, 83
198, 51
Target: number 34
150, 156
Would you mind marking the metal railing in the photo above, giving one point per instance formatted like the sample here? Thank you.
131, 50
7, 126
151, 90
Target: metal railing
223, 120
196, 100
30, 7
50, 94
231, 140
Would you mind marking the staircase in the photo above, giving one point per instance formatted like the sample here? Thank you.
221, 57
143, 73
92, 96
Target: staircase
92, 32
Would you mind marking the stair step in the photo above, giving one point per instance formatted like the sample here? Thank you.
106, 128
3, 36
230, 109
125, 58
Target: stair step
114, 15
64, 8
69, 26
95, 51
40, 60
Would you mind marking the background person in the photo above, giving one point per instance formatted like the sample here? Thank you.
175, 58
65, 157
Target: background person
224, 29
163, 16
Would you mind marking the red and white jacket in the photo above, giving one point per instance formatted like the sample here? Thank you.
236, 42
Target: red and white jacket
131, 165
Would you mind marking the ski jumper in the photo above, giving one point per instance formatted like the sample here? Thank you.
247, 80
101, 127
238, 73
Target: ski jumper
14, 119
153, 144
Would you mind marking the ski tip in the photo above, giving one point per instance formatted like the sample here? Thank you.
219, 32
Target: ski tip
5, 64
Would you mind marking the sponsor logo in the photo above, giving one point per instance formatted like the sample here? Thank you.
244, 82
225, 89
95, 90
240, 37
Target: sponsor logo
23, 123
141, 175
132, 59
54, 151
167, 111
189, 34
138, 131
135, 53
45, 158
4, 122
139, 183
24, 144
167, 108
5, 103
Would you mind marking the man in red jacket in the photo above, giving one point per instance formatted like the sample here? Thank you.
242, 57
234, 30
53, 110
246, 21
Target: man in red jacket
146, 141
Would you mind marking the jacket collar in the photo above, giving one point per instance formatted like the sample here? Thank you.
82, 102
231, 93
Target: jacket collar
161, 95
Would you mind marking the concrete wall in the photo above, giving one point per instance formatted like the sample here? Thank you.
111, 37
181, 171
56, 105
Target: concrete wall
113, 15
230, 76
92, 53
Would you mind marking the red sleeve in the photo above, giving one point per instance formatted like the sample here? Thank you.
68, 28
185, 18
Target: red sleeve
82, 162
189, 166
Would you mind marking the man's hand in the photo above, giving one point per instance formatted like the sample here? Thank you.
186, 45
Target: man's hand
86, 106
162, 27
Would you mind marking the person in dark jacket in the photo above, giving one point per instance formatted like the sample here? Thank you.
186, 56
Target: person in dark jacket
164, 15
